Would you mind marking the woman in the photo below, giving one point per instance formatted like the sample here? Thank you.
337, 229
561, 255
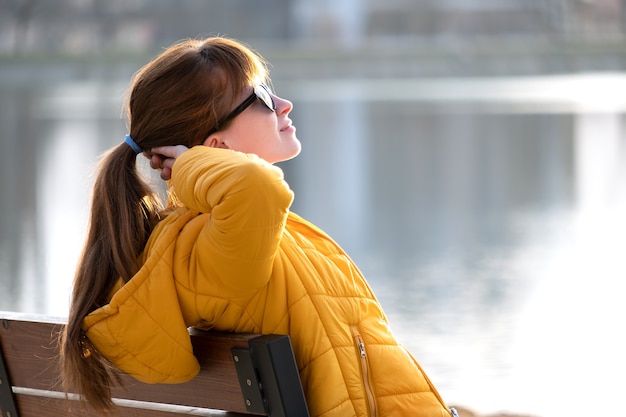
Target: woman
226, 253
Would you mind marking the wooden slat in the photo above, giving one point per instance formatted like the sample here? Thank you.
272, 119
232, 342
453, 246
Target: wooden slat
216, 386
43, 407
31, 349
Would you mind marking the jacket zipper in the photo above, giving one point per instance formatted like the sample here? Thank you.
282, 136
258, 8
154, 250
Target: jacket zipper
369, 392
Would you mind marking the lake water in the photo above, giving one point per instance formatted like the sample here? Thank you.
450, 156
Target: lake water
488, 215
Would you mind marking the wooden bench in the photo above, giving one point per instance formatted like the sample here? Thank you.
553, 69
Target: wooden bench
242, 374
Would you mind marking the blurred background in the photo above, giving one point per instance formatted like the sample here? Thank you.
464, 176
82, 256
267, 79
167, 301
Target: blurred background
470, 155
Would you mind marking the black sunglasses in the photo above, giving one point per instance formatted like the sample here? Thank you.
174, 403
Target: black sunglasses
261, 92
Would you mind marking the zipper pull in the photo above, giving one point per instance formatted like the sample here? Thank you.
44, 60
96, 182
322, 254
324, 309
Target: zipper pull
362, 349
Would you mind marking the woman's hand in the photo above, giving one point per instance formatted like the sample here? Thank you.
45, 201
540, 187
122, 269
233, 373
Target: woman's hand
162, 158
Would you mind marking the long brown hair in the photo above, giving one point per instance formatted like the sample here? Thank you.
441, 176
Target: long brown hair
175, 99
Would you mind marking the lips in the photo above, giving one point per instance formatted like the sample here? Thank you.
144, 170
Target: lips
287, 126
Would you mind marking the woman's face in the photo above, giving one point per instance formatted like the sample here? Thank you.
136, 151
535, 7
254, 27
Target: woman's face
260, 131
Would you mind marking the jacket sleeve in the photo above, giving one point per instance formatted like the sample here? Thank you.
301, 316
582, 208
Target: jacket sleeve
247, 201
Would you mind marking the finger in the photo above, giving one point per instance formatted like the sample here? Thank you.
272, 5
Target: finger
155, 161
168, 163
170, 151
166, 173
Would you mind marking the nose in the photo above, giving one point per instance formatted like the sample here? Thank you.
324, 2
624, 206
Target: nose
283, 106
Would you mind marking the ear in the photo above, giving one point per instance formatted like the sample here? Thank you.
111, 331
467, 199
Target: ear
215, 141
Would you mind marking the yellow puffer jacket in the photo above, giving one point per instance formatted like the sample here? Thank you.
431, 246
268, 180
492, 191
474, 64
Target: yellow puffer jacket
235, 259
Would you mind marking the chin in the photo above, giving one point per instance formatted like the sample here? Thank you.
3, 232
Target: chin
297, 149
287, 156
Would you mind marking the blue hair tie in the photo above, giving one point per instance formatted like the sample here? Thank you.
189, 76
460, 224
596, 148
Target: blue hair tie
130, 142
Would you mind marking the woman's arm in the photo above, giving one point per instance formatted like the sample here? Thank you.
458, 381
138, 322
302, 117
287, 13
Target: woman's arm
247, 201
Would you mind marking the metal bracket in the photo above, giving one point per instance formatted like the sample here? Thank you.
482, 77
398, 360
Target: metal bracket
269, 379
250, 386
7, 398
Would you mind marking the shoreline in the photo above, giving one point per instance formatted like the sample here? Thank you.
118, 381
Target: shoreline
468, 412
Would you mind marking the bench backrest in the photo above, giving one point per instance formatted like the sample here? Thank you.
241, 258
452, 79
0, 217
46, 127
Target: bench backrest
241, 373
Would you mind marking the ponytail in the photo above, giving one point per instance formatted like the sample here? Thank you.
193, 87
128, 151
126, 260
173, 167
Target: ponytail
124, 211
175, 100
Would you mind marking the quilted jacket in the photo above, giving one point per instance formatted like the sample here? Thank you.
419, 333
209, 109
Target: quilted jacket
234, 258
